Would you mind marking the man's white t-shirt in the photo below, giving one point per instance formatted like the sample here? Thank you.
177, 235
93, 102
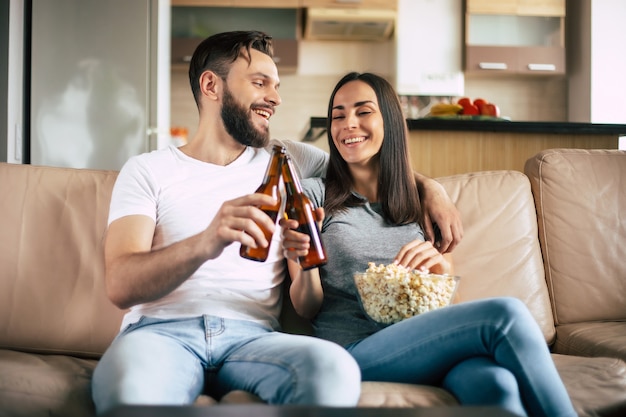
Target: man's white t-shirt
182, 195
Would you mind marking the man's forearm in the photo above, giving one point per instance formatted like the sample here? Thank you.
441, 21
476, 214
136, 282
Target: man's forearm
143, 277
421, 179
442, 219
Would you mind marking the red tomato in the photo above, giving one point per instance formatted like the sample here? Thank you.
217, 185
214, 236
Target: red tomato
480, 102
464, 101
493, 110
470, 109
490, 109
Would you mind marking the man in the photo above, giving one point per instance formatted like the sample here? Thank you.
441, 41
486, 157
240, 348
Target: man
201, 317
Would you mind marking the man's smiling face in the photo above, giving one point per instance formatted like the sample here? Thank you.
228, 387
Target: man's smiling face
249, 99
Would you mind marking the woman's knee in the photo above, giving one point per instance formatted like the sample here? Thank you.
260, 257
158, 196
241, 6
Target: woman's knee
480, 381
509, 307
516, 318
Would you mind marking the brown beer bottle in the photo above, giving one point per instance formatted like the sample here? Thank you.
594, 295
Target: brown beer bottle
299, 207
269, 186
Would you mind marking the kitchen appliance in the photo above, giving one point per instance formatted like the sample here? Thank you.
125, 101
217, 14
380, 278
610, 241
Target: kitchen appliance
354, 24
429, 48
99, 81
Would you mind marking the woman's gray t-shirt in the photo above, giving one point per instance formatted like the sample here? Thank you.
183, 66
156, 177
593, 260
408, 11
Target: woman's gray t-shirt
352, 239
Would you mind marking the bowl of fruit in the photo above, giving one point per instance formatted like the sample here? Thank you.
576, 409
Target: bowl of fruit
466, 108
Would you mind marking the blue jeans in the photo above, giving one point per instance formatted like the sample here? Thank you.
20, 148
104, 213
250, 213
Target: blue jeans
485, 352
171, 362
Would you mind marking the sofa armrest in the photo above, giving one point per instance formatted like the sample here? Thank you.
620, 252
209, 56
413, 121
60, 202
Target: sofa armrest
580, 196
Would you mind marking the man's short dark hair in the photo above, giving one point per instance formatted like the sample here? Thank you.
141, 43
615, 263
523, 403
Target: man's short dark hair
217, 53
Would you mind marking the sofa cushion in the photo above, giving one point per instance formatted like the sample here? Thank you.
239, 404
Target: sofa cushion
373, 394
52, 296
34, 385
581, 207
592, 339
500, 254
391, 394
597, 386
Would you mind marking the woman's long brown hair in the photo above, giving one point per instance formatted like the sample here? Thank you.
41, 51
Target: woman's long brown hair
397, 189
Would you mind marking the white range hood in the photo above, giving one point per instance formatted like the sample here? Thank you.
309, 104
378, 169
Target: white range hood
349, 24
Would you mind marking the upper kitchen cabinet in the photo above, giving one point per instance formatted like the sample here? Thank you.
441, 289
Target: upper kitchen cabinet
349, 20
238, 3
346, 4
193, 23
515, 36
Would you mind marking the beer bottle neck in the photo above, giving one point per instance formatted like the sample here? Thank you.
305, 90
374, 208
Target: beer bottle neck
292, 182
273, 171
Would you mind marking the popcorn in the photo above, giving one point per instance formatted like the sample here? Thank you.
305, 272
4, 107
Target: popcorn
391, 293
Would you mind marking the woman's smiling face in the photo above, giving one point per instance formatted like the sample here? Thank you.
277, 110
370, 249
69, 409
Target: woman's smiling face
357, 125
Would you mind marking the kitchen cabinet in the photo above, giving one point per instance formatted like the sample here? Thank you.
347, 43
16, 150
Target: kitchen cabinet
347, 4
521, 7
438, 148
266, 3
515, 37
439, 153
201, 3
192, 24
238, 3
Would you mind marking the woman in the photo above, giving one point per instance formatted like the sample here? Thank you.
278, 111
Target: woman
485, 352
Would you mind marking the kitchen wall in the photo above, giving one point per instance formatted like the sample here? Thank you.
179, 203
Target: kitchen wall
321, 64
597, 85
304, 94
523, 98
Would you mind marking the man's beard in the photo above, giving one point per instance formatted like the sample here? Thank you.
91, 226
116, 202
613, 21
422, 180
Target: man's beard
237, 122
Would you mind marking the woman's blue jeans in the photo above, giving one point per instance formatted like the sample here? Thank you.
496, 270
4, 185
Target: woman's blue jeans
171, 362
486, 352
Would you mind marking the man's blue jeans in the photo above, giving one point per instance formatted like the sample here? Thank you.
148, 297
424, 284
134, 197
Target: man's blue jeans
487, 352
166, 362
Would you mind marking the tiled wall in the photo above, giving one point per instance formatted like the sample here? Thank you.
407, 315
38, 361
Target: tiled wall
528, 98
523, 98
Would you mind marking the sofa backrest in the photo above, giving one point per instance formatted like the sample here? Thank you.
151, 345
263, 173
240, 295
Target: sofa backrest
581, 207
53, 220
52, 224
500, 253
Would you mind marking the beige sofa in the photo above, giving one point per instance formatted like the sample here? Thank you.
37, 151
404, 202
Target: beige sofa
569, 210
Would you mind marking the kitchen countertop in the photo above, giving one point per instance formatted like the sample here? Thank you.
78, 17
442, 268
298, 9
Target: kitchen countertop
317, 127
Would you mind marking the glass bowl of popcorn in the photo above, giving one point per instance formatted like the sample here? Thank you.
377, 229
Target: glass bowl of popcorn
391, 293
